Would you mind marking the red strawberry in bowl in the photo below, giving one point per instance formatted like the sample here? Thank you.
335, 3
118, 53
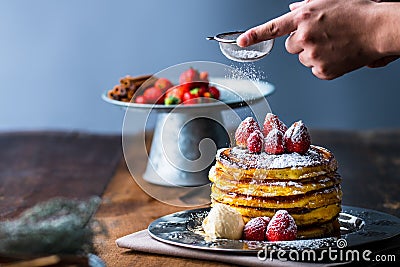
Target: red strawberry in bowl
189, 76
214, 92
203, 76
175, 94
140, 100
273, 122
246, 127
163, 84
282, 227
297, 138
153, 95
255, 229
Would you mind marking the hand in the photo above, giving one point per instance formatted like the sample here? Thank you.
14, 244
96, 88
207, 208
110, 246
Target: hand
332, 37
383, 61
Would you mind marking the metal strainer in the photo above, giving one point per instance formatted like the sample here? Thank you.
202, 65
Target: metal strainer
228, 46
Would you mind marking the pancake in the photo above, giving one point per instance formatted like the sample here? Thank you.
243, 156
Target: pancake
241, 164
259, 184
310, 200
271, 187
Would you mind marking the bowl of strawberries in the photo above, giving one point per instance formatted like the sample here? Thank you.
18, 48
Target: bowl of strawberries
191, 87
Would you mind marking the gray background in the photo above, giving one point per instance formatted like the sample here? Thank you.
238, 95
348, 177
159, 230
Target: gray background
57, 57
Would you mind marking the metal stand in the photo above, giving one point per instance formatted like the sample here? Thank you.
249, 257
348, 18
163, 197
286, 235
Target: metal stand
183, 148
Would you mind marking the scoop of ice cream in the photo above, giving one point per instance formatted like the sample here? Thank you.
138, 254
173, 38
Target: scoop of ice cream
223, 222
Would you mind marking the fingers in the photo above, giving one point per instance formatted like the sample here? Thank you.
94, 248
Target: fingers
383, 61
293, 46
295, 5
305, 60
321, 70
274, 28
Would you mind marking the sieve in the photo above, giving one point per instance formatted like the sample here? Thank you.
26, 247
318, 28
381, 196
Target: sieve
228, 46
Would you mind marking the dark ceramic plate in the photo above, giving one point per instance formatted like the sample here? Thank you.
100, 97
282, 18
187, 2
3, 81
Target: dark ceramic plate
358, 226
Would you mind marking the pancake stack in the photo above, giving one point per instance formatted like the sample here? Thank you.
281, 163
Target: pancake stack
259, 184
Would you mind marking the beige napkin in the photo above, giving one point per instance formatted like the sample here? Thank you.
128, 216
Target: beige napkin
142, 241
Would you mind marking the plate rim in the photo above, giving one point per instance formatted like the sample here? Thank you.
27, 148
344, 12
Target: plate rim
236, 103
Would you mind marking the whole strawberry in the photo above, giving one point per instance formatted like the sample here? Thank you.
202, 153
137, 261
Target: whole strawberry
246, 127
153, 95
254, 229
297, 138
273, 143
214, 92
189, 76
273, 122
203, 76
163, 84
282, 227
255, 142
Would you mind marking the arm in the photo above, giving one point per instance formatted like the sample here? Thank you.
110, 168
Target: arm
333, 37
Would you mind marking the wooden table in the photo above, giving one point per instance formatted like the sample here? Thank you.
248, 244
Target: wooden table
368, 161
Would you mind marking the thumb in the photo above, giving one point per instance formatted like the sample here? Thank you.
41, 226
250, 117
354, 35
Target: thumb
274, 28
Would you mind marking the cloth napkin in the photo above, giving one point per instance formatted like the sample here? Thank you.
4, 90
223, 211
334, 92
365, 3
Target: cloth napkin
143, 242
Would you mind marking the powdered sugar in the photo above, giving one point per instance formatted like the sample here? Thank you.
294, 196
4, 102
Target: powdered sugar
245, 160
246, 54
245, 71
296, 131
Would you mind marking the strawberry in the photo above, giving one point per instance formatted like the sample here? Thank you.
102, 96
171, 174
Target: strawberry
246, 127
196, 92
203, 76
255, 229
255, 142
273, 143
214, 92
190, 98
141, 100
153, 95
177, 92
273, 122
188, 76
163, 84
202, 90
297, 139
282, 227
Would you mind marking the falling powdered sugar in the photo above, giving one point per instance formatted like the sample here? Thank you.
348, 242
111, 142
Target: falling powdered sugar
245, 71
